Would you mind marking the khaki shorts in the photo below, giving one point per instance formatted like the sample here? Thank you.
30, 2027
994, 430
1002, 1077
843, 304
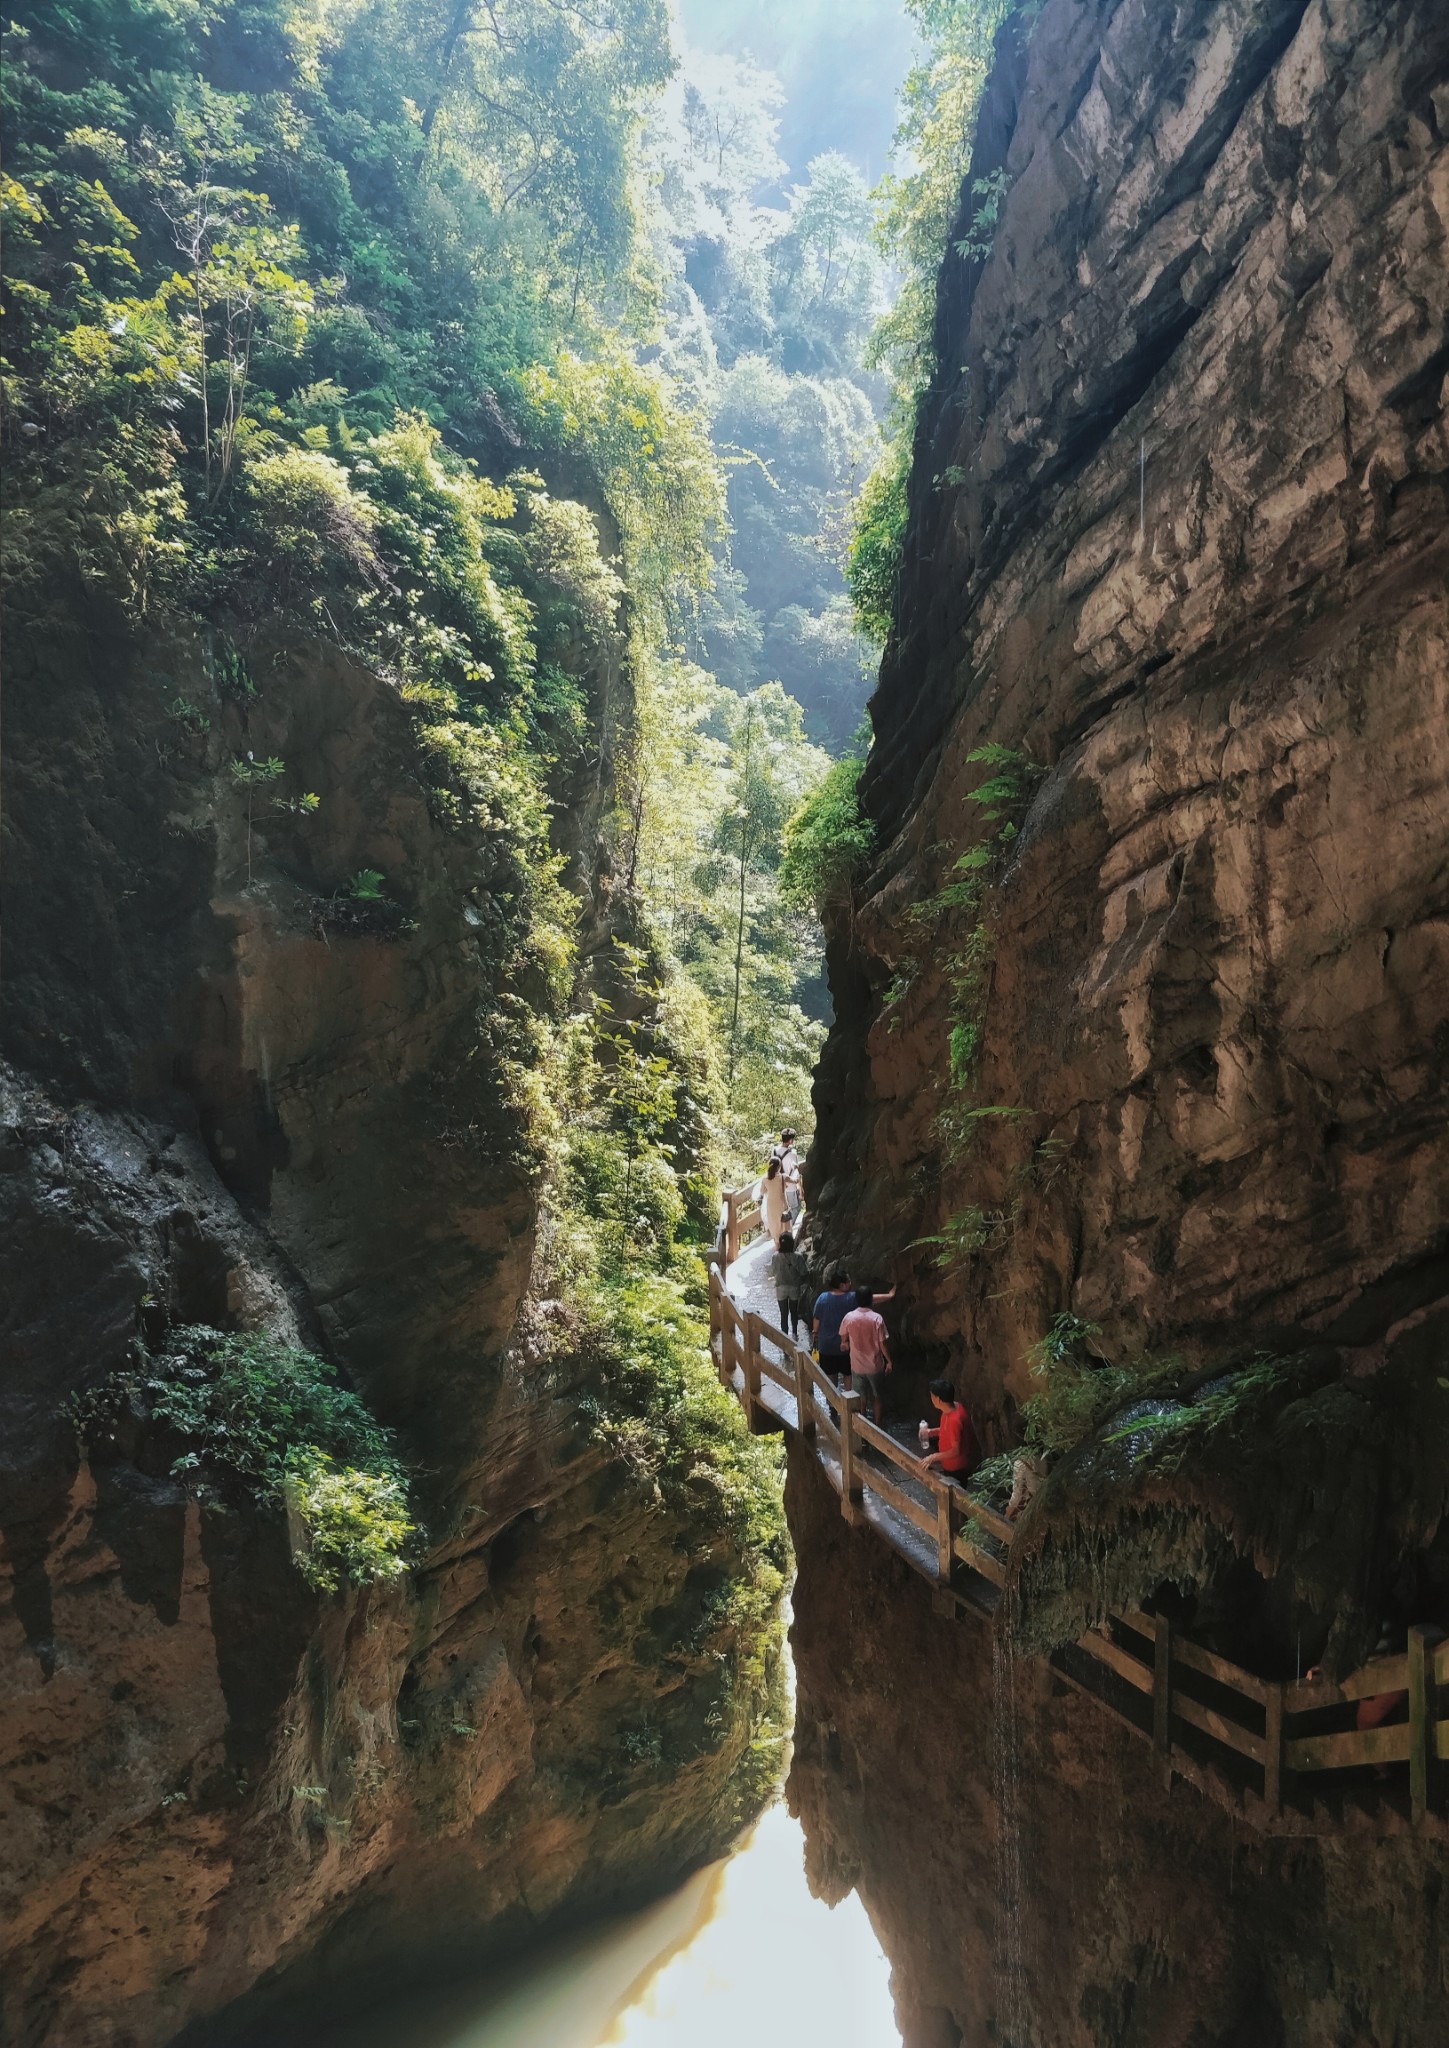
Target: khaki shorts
867, 1383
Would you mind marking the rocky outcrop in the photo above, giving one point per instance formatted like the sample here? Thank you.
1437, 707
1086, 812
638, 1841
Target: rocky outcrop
1177, 574
245, 1097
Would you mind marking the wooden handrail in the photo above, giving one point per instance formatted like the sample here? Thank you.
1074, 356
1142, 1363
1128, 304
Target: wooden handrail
896, 1453
1252, 1723
1212, 1666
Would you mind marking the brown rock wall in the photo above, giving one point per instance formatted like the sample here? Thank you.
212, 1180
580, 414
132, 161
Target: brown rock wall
258, 1106
1220, 970
1027, 1874
1179, 538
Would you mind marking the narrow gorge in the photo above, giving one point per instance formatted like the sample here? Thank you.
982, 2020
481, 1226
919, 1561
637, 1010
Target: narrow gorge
444, 445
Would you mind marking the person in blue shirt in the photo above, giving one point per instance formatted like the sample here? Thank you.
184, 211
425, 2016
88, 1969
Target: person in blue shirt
831, 1309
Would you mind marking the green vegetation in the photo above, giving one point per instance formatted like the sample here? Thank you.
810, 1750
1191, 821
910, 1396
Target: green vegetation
277, 1423
969, 960
296, 292
719, 778
670, 1418
385, 326
1084, 1397
767, 308
826, 841
1330, 1486
915, 209
1079, 1387
357, 1522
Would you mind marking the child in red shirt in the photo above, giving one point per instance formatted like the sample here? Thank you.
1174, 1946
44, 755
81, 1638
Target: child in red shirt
956, 1453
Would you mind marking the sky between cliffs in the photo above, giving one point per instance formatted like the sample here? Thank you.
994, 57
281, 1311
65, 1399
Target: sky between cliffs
840, 62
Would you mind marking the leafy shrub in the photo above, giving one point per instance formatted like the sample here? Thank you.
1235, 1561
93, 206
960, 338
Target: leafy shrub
441, 619
873, 569
637, 1199
652, 458
1079, 1390
683, 1428
576, 590
357, 1522
278, 1420
825, 842
305, 528
966, 1233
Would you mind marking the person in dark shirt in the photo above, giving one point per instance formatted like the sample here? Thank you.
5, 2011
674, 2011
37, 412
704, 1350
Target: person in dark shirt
831, 1309
956, 1453
787, 1269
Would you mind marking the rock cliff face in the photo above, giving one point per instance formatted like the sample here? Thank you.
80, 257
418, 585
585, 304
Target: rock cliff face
1179, 554
259, 1104
1028, 1876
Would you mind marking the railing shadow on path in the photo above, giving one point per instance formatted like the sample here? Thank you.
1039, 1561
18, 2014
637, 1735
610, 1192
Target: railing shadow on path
1276, 1754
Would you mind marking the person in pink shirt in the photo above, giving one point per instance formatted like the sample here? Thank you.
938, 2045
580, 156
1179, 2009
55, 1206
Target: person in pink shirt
863, 1333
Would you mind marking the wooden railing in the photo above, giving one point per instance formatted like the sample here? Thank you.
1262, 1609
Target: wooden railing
739, 1220
1257, 1746
751, 1353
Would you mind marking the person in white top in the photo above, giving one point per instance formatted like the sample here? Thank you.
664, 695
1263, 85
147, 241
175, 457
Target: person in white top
789, 1159
774, 1209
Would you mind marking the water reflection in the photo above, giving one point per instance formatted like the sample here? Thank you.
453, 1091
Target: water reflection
741, 1954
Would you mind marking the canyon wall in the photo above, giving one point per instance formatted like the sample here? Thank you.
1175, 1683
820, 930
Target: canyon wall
1169, 1054
1029, 1877
241, 1097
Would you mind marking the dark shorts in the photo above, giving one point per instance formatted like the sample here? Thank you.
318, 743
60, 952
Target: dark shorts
867, 1384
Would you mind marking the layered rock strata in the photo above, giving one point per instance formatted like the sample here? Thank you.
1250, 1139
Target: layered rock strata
1182, 549
1177, 572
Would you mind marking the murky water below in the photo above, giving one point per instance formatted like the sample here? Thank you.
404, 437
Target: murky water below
739, 1957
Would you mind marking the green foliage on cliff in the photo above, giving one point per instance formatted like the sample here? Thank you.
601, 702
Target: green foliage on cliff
825, 841
915, 207
668, 1415
1172, 1473
716, 779
356, 323
297, 292
276, 1420
969, 895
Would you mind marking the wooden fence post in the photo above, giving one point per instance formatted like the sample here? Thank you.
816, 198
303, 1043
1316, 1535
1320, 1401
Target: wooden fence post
1273, 1751
1162, 1695
850, 1486
732, 1227
751, 1395
729, 1343
716, 1322
1422, 1716
945, 1556
804, 1396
